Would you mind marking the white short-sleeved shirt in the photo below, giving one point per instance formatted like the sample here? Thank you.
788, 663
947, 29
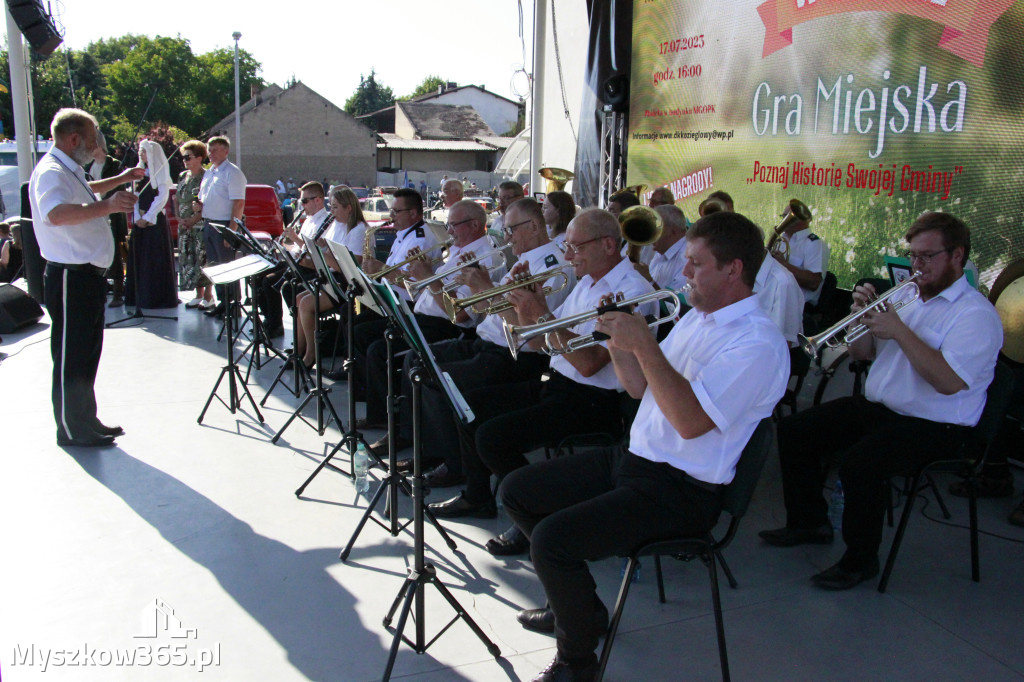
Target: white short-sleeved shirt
737, 364
667, 268
57, 180
781, 298
966, 329
586, 296
418, 236
221, 186
427, 305
808, 251
353, 238
541, 259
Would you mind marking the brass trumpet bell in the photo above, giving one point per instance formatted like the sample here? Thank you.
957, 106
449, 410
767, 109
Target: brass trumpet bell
556, 177
640, 226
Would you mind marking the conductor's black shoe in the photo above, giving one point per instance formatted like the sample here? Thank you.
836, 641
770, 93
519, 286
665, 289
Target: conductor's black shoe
791, 537
460, 506
509, 543
560, 670
104, 430
839, 578
87, 440
543, 620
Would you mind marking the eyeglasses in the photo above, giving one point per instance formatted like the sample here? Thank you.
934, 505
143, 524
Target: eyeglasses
925, 258
396, 211
306, 200
449, 226
509, 229
575, 248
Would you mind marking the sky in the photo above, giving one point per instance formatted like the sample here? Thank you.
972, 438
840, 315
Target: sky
328, 46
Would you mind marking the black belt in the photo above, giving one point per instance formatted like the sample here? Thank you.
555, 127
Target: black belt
81, 267
713, 487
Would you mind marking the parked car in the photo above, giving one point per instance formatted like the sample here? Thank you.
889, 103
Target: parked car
262, 211
377, 209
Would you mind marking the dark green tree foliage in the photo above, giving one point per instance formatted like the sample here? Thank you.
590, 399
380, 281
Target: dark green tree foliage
369, 96
429, 86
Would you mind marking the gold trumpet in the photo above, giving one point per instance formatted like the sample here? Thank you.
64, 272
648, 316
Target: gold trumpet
414, 287
849, 329
518, 335
798, 212
419, 255
640, 226
453, 306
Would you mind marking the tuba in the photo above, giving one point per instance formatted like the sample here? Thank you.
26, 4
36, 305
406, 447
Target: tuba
640, 226
556, 177
798, 212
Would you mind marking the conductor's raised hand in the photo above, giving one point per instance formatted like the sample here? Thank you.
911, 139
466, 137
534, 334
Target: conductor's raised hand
121, 202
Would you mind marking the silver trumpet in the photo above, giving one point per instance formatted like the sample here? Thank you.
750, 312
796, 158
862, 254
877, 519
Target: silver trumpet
850, 328
453, 306
414, 287
517, 335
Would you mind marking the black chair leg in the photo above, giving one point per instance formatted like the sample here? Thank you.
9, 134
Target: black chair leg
661, 580
613, 627
975, 562
725, 569
938, 497
908, 507
723, 654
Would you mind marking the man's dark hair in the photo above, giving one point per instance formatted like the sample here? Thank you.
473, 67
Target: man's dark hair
625, 199
954, 232
731, 236
512, 185
724, 196
412, 197
314, 188
219, 139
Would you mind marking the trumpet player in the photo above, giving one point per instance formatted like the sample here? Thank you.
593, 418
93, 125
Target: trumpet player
581, 395
486, 360
703, 391
807, 257
932, 364
467, 226
412, 233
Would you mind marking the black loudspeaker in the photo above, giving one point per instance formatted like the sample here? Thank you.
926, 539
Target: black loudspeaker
17, 309
36, 24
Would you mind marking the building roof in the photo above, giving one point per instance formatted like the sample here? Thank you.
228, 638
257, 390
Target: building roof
480, 144
455, 88
268, 93
444, 121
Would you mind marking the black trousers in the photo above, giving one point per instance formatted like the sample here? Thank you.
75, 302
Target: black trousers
370, 356
472, 364
871, 444
514, 419
217, 252
75, 300
594, 505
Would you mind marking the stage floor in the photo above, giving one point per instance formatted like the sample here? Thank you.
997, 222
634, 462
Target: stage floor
198, 526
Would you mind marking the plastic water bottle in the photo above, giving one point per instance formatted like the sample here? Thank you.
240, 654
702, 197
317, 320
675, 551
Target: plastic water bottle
835, 506
360, 464
636, 574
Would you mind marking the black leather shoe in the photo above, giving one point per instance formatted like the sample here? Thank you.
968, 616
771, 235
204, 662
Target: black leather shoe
560, 670
362, 423
337, 375
275, 331
839, 578
88, 440
460, 506
510, 543
104, 430
214, 312
440, 477
543, 620
791, 537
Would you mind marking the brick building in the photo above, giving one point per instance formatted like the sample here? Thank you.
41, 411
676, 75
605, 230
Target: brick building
295, 132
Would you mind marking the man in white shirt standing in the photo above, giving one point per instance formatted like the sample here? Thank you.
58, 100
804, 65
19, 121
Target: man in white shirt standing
222, 201
704, 390
74, 237
932, 364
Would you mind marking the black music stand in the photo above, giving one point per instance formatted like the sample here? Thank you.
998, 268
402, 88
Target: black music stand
259, 332
315, 286
231, 306
230, 273
302, 378
412, 593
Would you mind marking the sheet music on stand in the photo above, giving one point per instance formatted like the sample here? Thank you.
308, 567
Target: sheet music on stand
334, 289
399, 309
240, 268
356, 278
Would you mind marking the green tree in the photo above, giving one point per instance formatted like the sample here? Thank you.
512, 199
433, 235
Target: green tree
429, 86
369, 96
213, 77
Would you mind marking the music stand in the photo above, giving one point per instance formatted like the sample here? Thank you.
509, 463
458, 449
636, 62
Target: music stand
230, 273
137, 314
412, 592
230, 307
259, 332
314, 286
302, 378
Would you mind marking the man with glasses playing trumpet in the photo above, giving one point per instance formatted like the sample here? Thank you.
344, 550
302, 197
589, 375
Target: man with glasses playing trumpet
581, 394
932, 363
486, 360
703, 391
467, 229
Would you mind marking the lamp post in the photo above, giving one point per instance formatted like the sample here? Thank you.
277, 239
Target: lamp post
238, 118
